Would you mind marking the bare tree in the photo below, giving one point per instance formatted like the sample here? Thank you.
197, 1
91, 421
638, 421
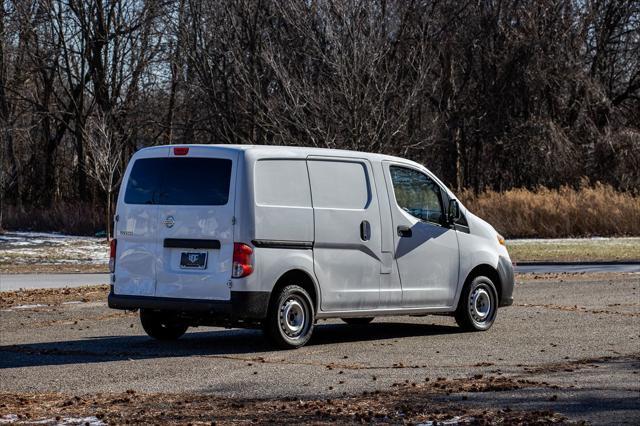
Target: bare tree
545, 92
103, 164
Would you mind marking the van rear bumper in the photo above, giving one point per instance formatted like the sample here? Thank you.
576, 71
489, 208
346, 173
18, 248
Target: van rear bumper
244, 305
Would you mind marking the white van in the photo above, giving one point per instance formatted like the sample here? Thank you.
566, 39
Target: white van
279, 237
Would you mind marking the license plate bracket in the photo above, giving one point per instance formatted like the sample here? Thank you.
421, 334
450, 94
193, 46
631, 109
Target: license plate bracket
193, 260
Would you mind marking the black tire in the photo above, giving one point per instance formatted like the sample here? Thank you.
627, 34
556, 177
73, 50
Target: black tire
357, 321
478, 305
162, 326
291, 318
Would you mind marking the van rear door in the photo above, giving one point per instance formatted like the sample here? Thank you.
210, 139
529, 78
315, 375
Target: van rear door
136, 227
195, 224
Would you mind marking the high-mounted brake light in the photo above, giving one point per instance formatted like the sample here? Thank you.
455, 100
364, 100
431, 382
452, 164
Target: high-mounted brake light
181, 150
242, 260
112, 255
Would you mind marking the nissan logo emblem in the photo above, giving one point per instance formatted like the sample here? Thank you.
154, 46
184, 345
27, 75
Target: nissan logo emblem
169, 222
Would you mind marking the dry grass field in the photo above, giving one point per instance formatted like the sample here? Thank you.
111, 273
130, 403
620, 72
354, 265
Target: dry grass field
575, 250
597, 210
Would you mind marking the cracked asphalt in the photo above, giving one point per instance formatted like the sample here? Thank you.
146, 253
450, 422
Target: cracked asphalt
575, 338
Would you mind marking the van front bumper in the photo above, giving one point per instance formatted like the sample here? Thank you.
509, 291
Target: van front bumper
244, 305
507, 281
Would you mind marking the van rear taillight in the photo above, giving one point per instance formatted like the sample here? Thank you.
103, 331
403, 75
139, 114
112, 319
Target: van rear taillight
242, 260
112, 256
181, 150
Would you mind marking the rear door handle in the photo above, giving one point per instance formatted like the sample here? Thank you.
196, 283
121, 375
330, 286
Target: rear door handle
404, 231
365, 230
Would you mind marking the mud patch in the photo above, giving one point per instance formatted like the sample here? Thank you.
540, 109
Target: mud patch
582, 309
477, 383
397, 407
571, 366
576, 276
53, 296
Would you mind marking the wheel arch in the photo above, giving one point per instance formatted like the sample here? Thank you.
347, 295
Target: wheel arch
301, 278
488, 271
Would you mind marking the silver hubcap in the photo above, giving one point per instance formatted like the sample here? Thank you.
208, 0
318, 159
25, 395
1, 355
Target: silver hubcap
292, 317
480, 305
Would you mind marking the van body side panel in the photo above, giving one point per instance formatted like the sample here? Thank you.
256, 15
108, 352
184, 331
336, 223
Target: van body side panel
271, 264
347, 248
136, 231
213, 223
283, 210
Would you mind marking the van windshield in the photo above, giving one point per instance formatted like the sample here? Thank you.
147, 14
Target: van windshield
179, 182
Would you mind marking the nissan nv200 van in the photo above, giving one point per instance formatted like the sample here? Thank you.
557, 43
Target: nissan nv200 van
279, 237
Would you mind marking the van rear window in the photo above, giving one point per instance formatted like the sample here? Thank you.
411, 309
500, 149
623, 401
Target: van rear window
179, 182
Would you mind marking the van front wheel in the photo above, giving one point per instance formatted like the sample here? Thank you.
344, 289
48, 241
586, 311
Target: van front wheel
478, 305
161, 326
289, 323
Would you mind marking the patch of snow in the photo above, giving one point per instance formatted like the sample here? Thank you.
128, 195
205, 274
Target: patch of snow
454, 421
37, 305
51, 249
73, 302
19, 242
91, 420
45, 235
8, 418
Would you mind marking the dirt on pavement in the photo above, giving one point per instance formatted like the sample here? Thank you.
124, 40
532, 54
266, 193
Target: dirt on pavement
80, 268
53, 296
569, 349
408, 403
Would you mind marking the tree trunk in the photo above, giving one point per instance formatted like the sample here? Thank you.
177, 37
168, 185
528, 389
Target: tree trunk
81, 169
108, 215
1, 193
458, 154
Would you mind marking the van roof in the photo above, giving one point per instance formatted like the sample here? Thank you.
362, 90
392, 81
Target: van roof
290, 151
279, 151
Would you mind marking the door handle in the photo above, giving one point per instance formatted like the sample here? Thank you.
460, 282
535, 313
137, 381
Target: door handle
365, 230
404, 231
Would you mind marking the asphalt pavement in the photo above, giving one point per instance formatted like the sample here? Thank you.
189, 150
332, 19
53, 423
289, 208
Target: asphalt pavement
572, 346
558, 267
31, 281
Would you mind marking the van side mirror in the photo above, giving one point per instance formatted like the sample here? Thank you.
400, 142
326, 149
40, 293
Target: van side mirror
453, 211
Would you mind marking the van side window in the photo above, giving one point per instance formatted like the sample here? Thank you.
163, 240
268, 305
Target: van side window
339, 184
417, 194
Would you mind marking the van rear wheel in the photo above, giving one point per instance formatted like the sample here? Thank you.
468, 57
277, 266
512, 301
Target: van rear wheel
478, 305
162, 325
290, 320
357, 321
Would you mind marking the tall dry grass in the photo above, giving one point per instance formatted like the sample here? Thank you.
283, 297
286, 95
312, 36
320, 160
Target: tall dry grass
74, 218
597, 210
